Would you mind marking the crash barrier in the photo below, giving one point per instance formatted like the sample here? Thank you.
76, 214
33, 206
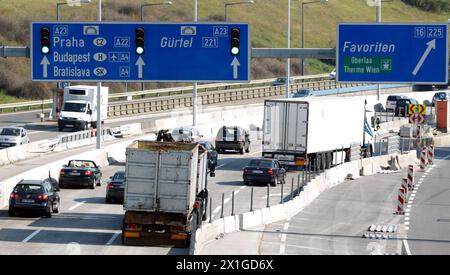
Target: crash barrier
329, 178
64, 142
401, 201
423, 158
396, 144
14, 107
112, 152
411, 176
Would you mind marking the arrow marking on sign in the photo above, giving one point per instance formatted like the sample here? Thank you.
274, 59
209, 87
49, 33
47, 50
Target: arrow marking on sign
431, 46
45, 64
140, 63
235, 63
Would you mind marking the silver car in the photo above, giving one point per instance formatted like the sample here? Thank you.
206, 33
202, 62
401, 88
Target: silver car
12, 136
186, 134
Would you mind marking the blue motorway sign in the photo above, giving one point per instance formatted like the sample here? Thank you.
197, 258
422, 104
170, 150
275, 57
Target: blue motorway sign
392, 53
140, 52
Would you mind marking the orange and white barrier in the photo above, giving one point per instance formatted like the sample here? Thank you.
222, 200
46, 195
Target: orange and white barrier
423, 158
401, 202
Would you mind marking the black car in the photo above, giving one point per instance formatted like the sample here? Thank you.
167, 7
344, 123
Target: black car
233, 138
211, 153
264, 171
401, 109
80, 173
115, 188
34, 196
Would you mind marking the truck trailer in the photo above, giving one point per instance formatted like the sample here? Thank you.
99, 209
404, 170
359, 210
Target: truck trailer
321, 130
165, 193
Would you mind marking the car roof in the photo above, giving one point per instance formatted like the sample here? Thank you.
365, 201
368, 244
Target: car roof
32, 182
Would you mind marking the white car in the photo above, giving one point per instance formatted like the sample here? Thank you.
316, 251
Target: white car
332, 75
187, 134
12, 136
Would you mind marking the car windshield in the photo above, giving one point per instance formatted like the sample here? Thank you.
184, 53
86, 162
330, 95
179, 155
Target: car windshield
74, 107
260, 163
301, 93
119, 176
10, 132
81, 164
393, 98
29, 188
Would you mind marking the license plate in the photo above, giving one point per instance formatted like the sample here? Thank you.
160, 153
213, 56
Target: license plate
69, 125
74, 174
5, 144
257, 172
28, 201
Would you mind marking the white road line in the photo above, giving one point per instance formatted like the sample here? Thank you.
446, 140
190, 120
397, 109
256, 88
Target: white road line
222, 165
77, 205
407, 214
282, 249
283, 237
408, 210
237, 192
406, 223
405, 244
406, 227
31, 236
407, 218
418, 185
408, 206
254, 153
286, 226
426, 173
243, 187
114, 237
226, 201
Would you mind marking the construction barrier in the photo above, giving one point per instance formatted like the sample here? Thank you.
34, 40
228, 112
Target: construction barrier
411, 176
423, 158
430, 154
401, 202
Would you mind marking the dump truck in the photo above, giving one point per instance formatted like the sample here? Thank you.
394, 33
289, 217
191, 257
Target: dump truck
165, 193
322, 130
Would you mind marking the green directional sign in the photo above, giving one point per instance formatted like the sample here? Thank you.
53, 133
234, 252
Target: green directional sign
367, 65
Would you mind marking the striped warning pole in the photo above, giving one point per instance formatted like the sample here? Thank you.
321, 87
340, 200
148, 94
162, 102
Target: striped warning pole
430, 154
401, 202
410, 177
405, 185
423, 158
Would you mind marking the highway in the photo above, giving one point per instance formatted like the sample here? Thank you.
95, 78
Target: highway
87, 225
429, 223
337, 220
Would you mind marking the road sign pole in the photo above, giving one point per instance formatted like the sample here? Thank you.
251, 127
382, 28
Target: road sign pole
99, 90
378, 21
194, 87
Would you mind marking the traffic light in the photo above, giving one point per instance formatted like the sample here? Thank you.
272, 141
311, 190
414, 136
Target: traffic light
139, 41
45, 40
235, 41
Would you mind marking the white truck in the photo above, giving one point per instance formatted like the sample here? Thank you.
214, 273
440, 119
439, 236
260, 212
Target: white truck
165, 192
299, 130
79, 109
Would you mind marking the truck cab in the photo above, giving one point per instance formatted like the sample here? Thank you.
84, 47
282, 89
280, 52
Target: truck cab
79, 108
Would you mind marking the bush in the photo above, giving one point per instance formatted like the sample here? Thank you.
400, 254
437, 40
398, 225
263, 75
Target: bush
437, 6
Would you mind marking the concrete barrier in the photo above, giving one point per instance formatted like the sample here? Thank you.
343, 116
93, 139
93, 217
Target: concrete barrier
320, 184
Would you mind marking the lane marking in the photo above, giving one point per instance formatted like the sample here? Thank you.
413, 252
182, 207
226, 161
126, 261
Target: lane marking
408, 210
408, 206
114, 237
31, 236
286, 226
407, 228
283, 237
406, 223
408, 251
282, 249
407, 214
254, 153
217, 209
407, 218
77, 205
243, 187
